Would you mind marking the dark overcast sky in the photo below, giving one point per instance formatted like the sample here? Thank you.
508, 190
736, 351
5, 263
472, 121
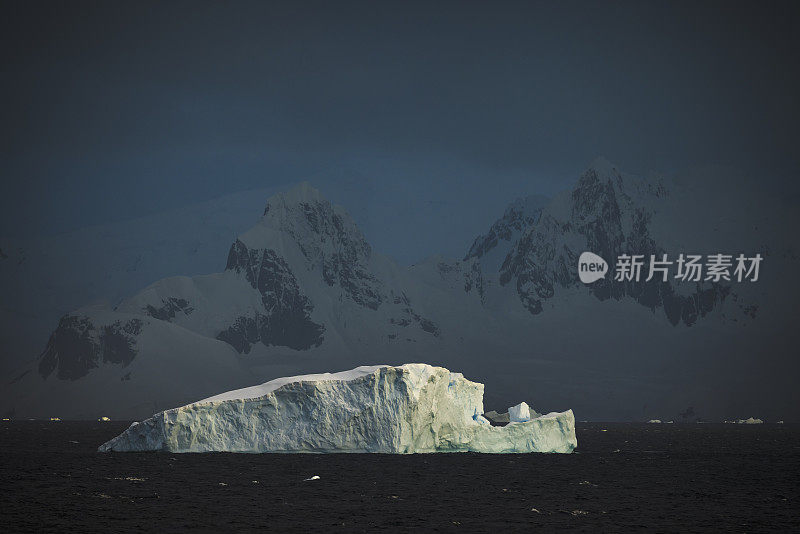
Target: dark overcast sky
116, 109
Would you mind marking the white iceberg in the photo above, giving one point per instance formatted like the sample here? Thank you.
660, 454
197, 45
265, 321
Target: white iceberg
411, 408
519, 413
750, 421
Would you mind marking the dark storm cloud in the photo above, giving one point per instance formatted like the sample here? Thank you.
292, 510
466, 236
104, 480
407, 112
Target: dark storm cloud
115, 109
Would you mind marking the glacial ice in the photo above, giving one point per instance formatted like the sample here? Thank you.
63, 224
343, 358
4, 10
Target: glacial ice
748, 421
411, 408
519, 413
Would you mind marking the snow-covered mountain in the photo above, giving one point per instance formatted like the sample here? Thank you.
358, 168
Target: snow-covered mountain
493, 247
302, 276
608, 213
304, 291
43, 278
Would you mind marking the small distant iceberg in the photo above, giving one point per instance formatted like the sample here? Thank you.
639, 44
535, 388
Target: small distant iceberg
748, 421
411, 408
655, 421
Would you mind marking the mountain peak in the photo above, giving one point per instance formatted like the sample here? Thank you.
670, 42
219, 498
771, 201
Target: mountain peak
526, 205
323, 232
519, 215
302, 193
603, 166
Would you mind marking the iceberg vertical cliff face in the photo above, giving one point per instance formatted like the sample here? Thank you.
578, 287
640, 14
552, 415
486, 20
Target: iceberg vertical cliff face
404, 409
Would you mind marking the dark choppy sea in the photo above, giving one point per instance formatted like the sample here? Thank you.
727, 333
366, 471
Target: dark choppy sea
678, 478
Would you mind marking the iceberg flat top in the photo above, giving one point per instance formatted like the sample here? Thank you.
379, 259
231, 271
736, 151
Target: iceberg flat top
254, 392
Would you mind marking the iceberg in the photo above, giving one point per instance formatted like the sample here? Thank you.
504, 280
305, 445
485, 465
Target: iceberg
749, 421
519, 413
411, 408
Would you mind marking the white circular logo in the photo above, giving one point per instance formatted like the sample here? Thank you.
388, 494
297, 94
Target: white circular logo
591, 267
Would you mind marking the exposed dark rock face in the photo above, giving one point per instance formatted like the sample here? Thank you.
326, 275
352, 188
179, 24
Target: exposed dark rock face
331, 241
473, 279
242, 334
332, 245
363, 288
606, 218
118, 341
77, 346
408, 317
171, 306
342, 251
287, 317
465, 274
538, 263
516, 219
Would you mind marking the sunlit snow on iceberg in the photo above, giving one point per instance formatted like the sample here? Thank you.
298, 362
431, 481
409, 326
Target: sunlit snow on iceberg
412, 408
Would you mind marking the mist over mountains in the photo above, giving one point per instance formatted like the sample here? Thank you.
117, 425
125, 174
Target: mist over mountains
304, 290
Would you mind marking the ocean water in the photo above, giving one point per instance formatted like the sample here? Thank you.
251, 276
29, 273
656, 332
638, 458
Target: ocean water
665, 478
